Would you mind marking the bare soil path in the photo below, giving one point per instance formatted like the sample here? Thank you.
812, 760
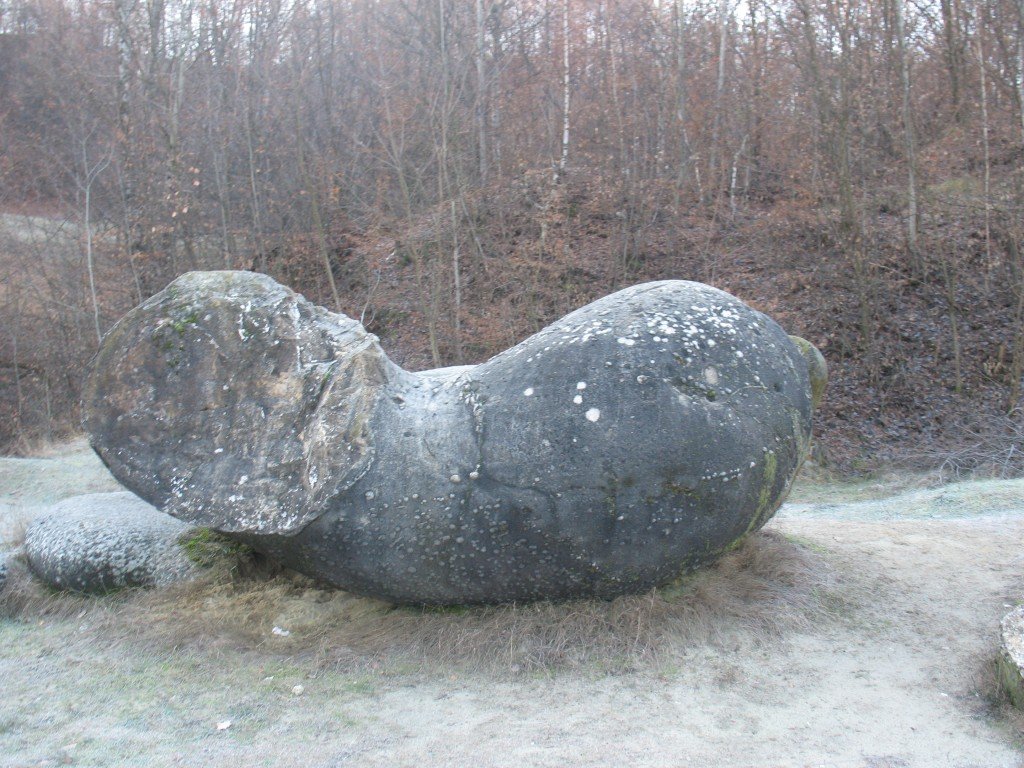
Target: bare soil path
894, 672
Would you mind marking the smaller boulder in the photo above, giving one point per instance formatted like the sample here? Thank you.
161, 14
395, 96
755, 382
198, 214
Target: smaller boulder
1011, 656
106, 541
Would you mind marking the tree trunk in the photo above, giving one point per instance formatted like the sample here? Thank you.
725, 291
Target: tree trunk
685, 153
909, 140
563, 162
716, 150
313, 192
1020, 65
954, 58
481, 93
987, 180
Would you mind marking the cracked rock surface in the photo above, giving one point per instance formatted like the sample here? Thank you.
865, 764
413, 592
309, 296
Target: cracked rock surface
106, 541
635, 438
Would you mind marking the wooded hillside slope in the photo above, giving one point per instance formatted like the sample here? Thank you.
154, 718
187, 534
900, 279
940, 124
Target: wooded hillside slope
457, 175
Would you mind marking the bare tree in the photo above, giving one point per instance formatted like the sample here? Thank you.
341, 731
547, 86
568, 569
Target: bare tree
86, 179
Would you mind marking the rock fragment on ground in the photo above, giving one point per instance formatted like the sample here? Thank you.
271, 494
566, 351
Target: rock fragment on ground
635, 438
106, 541
1011, 656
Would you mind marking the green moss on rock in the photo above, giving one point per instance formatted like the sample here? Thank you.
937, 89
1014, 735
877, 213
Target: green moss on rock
206, 547
1010, 662
817, 369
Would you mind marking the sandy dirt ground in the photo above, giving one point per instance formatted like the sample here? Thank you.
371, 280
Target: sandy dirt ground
895, 671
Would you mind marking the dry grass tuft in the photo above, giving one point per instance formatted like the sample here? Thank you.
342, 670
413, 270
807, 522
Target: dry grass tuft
990, 698
766, 588
50, 448
12, 531
24, 596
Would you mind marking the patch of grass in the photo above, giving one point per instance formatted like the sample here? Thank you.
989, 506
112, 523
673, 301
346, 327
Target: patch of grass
47, 480
12, 533
806, 543
24, 596
361, 686
993, 702
766, 588
438, 610
955, 188
10, 724
820, 487
206, 548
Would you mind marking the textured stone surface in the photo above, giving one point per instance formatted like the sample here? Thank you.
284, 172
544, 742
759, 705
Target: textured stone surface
4, 568
106, 541
637, 437
1011, 656
817, 369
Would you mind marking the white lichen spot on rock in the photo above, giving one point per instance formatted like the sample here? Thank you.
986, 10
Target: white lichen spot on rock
711, 375
581, 385
593, 414
625, 342
578, 399
528, 392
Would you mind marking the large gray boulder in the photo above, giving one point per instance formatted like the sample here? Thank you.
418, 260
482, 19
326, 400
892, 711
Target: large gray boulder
106, 541
635, 438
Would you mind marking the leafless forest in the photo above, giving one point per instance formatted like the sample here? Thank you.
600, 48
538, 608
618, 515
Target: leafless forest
458, 174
